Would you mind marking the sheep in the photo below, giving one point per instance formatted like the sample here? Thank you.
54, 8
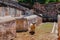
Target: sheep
31, 29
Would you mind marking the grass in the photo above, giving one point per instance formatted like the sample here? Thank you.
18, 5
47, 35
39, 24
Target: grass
43, 32
45, 27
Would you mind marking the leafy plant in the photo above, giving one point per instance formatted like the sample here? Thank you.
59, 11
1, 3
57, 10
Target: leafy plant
40, 1
21, 0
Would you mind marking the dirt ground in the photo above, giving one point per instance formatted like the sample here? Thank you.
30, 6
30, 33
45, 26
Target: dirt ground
42, 32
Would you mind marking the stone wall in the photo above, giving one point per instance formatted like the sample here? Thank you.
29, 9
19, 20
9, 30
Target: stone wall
9, 11
7, 28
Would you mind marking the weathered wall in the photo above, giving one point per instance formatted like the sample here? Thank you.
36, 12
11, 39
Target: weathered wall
7, 29
21, 24
6, 11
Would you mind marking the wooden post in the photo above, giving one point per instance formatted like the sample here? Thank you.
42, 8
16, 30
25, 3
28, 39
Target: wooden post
58, 27
0, 11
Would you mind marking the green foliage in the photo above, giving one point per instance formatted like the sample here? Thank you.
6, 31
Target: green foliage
31, 2
40, 1
58, 0
21, 0
48, 1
